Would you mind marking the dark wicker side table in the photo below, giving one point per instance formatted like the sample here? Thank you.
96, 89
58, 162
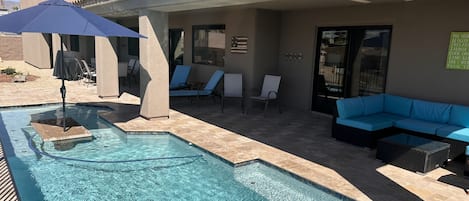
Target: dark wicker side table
412, 153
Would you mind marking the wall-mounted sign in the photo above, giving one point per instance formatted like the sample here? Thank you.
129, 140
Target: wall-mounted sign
239, 44
458, 52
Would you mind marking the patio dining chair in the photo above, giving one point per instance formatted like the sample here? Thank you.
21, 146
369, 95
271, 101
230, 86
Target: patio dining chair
179, 78
206, 91
269, 92
232, 89
93, 62
133, 70
89, 76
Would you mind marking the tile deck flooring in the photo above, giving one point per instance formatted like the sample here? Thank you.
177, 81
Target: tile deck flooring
297, 141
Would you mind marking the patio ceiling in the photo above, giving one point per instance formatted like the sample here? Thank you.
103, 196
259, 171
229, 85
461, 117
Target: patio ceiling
121, 8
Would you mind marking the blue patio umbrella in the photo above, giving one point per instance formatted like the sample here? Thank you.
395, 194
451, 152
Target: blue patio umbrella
63, 18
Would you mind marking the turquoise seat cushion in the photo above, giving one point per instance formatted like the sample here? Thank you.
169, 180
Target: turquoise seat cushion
373, 104
371, 122
419, 125
459, 116
454, 132
350, 107
179, 78
397, 105
431, 111
190, 93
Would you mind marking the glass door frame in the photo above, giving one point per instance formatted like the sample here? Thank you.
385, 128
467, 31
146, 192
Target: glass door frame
171, 56
348, 62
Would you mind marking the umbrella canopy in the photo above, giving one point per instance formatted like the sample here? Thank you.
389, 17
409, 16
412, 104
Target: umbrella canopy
60, 17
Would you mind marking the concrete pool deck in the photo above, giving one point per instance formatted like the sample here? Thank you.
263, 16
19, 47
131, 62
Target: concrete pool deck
296, 141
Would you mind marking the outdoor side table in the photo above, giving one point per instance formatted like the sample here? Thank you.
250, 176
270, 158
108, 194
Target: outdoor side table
412, 153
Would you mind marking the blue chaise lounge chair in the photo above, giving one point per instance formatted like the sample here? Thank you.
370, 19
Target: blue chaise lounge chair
179, 78
208, 90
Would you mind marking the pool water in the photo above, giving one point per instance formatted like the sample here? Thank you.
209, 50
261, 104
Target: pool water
180, 171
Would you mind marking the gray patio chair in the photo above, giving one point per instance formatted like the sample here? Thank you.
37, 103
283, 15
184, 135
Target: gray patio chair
89, 76
269, 92
232, 89
133, 68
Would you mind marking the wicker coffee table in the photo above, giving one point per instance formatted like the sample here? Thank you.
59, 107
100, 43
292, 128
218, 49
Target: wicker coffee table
412, 153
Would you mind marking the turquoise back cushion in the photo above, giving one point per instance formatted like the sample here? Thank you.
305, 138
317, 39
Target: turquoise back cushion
431, 111
373, 104
459, 116
350, 107
397, 105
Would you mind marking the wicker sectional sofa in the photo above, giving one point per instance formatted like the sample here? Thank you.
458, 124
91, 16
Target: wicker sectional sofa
364, 120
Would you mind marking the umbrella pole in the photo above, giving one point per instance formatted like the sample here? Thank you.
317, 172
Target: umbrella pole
62, 89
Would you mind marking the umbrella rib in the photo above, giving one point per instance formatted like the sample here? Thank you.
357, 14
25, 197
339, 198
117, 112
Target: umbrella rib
88, 23
34, 21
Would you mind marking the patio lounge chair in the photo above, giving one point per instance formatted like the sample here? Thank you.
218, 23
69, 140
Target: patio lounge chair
207, 91
232, 88
269, 91
89, 75
133, 70
179, 78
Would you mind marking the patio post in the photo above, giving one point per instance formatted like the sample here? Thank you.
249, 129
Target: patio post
107, 69
154, 69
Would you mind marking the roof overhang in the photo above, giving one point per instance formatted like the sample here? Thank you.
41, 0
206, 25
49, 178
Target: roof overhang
123, 8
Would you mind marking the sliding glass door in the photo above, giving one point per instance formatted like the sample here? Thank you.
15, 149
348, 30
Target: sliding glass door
350, 61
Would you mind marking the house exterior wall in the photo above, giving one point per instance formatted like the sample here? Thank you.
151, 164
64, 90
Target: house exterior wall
266, 49
261, 28
419, 45
237, 23
36, 49
35, 45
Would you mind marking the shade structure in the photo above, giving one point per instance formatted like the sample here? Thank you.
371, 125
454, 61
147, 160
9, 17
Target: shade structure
63, 18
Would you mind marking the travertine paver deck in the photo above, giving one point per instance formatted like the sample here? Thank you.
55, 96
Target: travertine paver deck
309, 151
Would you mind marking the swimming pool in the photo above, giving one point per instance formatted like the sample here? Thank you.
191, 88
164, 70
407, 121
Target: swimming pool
175, 170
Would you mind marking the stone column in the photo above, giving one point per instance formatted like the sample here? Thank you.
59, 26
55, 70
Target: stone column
107, 78
154, 69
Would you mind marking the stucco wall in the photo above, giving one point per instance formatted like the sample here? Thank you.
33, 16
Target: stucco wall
36, 49
260, 26
419, 45
237, 23
266, 46
11, 48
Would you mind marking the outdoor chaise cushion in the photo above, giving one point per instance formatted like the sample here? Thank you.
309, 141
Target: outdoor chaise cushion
208, 90
397, 105
372, 122
190, 93
350, 107
373, 104
417, 125
454, 132
459, 116
431, 111
179, 78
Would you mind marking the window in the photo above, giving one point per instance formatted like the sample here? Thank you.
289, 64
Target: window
74, 43
208, 44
